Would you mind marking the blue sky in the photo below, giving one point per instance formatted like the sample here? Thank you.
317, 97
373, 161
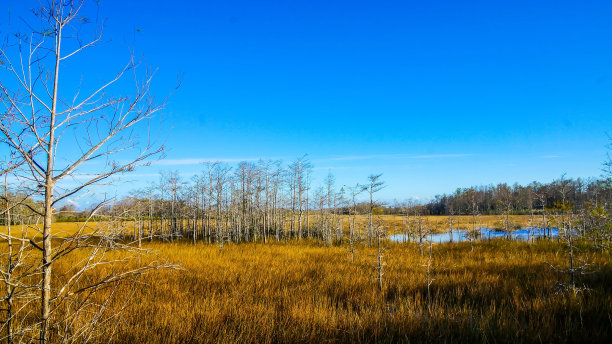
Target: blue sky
433, 94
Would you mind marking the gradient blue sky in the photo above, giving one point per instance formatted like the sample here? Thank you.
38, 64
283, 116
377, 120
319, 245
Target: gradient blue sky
433, 94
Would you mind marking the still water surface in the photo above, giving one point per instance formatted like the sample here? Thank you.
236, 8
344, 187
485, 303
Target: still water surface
484, 233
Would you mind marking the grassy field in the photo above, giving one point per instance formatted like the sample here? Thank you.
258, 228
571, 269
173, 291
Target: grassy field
393, 223
500, 292
275, 293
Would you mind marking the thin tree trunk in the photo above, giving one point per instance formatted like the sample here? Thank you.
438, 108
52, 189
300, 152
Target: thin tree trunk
48, 210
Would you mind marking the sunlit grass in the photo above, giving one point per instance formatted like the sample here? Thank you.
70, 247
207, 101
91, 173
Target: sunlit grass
393, 223
302, 291
501, 292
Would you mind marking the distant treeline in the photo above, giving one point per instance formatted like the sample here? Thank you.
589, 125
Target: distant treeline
514, 199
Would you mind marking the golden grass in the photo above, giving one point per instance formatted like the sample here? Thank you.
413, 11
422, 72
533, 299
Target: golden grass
393, 223
502, 291
65, 229
301, 292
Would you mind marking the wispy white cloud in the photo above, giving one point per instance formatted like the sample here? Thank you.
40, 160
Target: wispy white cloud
360, 157
197, 161
325, 168
435, 156
395, 156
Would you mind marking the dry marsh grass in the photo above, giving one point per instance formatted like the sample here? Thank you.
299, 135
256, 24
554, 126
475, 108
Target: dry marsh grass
394, 223
301, 292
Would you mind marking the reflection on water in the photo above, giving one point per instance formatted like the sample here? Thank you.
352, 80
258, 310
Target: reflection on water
483, 233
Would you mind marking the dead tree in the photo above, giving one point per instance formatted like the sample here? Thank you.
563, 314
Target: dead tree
505, 200
330, 196
473, 207
380, 234
298, 171
354, 193
451, 222
220, 174
541, 195
372, 187
428, 279
421, 227
17, 259
41, 114
575, 267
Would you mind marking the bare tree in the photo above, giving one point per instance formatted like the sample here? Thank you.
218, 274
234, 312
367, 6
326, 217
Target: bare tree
429, 280
354, 193
374, 185
473, 206
220, 173
380, 254
330, 180
18, 257
541, 196
299, 173
40, 117
420, 226
505, 200
451, 221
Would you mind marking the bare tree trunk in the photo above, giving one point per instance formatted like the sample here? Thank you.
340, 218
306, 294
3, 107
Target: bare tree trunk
46, 252
351, 247
380, 260
473, 231
9, 267
48, 205
139, 227
571, 258
420, 235
428, 276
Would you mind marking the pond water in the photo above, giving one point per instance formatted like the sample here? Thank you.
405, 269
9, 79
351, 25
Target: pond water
483, 233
